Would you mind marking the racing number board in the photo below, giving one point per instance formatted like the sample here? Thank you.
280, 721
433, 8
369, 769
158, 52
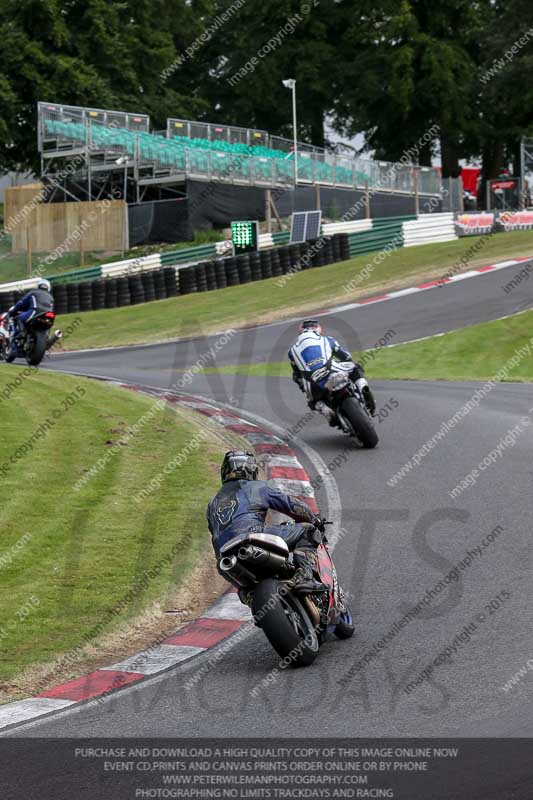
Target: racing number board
245, 236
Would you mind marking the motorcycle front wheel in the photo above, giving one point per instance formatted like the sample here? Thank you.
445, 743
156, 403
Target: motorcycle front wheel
345, 628
360, 422
285, 623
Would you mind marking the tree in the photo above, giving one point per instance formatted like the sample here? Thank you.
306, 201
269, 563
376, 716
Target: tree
506, 88
410, 66
89, 53
243, 83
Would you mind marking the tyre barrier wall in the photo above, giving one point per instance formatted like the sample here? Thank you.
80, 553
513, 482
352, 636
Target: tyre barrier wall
237, 270
205, 276
366, 235
103, 293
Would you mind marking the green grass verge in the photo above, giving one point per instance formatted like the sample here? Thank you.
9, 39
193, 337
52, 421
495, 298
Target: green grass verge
79, 553
263, 301
478, 352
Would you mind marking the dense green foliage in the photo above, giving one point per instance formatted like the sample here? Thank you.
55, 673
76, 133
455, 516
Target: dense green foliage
390, 69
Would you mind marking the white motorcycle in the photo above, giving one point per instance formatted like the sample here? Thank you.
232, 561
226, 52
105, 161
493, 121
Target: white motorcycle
345, 397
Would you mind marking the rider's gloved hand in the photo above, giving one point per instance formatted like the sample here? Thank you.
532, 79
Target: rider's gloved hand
318, 522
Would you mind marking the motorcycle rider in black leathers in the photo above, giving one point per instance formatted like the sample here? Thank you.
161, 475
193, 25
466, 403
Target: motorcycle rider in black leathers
34, 302
242, 504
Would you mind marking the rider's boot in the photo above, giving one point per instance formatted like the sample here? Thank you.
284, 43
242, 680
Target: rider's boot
304, 579
326, 412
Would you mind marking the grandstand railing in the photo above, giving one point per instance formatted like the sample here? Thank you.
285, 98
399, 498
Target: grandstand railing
63, 113
346, 171
215, 132
109, 134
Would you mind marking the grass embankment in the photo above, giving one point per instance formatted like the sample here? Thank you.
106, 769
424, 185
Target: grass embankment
14, 266
263, 301
69, 558
476, 353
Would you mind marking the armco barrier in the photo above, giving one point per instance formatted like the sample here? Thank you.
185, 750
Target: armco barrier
429, 228
142, 286
365, 236
168, 274
352, 226
386, 232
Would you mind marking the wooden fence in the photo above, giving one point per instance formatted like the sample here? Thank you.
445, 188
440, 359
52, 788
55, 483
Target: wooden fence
61, 228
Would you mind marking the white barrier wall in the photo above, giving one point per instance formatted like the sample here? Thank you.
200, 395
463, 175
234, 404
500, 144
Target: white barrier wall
428, 229
131, 265
352, 226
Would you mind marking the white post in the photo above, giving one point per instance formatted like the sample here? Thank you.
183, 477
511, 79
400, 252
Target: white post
290, 83
295, 132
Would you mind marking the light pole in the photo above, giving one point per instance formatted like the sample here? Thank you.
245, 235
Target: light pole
290, 83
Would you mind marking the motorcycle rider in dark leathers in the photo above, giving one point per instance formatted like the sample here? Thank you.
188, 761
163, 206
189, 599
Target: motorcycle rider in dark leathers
242, 504
34, 302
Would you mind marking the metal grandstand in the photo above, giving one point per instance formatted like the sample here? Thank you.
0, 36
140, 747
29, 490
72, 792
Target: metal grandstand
90, 153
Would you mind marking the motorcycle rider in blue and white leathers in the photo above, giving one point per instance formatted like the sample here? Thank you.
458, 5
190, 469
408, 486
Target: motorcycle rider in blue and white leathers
311, 351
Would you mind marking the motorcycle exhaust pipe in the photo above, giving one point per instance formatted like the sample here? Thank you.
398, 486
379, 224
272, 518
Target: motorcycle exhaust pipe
262, 557
236, 572
55, 337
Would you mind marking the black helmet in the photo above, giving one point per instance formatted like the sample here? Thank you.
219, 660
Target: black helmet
311, 325
239, 466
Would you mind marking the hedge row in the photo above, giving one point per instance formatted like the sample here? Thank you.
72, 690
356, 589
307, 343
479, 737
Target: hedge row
143, 287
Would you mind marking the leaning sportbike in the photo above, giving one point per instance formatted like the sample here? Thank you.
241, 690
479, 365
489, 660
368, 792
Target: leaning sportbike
295, 623
4, 336
345, 396
35, 341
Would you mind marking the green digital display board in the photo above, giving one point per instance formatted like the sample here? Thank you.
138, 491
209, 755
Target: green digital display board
245, 236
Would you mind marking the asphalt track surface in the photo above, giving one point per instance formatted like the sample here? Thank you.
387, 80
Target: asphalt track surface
397, 543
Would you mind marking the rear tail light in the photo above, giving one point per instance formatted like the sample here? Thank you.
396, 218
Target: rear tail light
50, 315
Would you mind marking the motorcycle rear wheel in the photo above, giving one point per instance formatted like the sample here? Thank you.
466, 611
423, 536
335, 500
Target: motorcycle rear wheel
35, 354
285, 623
360, 422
